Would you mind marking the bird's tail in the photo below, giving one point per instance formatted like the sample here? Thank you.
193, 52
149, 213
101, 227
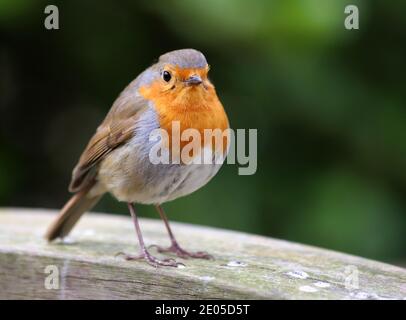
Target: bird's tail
70, 214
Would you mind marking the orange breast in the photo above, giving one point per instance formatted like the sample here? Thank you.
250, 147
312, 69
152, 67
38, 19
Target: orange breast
194, 107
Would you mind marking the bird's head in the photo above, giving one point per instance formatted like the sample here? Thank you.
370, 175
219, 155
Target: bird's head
180, 78
185, 69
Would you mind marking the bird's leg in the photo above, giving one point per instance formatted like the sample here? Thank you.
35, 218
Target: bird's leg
144, 252
174, 247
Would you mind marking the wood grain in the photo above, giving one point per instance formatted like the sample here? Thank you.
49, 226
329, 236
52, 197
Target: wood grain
245, 266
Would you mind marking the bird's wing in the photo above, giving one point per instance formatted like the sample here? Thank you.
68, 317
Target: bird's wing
116, 129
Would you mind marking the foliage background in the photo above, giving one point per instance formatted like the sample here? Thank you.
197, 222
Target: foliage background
328, 103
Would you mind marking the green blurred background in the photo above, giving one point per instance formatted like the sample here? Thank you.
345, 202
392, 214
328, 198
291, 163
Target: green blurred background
328, 103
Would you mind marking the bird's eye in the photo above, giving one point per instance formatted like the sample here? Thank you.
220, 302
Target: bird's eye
166, 76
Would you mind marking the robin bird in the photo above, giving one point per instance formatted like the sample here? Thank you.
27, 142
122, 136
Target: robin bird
117, 157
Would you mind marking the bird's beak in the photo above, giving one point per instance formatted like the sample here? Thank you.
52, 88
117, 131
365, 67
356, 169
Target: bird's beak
193, 80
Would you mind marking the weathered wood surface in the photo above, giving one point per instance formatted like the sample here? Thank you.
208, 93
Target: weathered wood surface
245, 266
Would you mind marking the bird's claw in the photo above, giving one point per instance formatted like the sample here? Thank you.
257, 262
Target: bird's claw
176, 249
150, 259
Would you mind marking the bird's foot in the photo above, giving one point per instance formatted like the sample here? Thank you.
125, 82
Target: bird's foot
150, 259
176, 249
